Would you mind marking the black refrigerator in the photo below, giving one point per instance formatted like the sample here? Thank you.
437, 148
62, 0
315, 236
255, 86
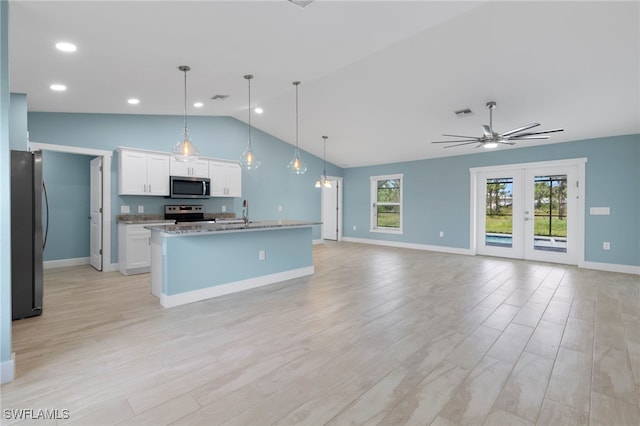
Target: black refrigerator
27, 242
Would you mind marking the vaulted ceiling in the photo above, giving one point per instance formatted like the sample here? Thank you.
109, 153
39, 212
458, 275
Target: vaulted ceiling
381, 78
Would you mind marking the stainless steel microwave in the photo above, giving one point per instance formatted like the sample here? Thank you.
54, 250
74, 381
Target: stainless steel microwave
189, 187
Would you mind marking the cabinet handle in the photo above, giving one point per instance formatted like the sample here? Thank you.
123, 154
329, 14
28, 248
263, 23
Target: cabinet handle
145, 188
149, 187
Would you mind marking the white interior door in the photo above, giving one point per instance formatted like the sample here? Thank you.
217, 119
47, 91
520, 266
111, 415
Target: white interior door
95, 218
332, 210
531, 212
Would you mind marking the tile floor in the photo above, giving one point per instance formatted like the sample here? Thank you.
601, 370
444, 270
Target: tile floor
378, 335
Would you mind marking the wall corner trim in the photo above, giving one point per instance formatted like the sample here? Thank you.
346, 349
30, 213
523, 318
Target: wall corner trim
8, 369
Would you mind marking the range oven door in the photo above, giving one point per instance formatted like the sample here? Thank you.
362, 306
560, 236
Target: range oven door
190, 187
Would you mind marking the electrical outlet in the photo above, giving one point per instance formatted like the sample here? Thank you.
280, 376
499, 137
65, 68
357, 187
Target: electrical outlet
441, 234
224, 208
125, 209
354, 227
606, 245
140, 209
262, 255
279, 208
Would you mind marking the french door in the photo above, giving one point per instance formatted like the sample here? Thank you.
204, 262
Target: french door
529, 212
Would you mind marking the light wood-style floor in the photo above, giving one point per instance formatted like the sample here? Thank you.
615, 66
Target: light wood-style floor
378, 335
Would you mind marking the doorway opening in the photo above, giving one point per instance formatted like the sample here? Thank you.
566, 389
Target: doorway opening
331, 210
100, 228
531, 211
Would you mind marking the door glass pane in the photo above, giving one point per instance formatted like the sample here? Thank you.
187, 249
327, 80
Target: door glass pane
499, 212
550, 206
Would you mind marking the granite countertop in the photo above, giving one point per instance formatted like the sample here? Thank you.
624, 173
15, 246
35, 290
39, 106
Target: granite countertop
199, 228
132, 219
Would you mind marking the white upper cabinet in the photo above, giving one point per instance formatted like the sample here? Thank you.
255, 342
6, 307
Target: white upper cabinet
226, 179
199, 168
143, 173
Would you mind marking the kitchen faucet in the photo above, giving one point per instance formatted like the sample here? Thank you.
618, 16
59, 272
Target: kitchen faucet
245, 212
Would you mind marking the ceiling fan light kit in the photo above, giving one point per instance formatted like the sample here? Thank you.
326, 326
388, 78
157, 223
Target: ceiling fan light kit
491, 139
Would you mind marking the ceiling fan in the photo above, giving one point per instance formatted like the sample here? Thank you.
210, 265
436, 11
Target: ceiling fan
491, 139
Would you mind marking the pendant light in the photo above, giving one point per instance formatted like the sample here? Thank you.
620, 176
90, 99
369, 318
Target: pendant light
248, 159
323, 181
296, 165
184, 149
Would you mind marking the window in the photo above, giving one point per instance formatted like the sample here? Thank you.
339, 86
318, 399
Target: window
386, 200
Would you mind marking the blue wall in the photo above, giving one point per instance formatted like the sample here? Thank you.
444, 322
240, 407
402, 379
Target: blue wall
266, 188
66, 177
437, 196
18, 132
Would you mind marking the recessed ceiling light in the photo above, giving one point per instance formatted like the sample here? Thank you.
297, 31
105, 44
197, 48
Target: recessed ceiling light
66, 47
58, 87
198, 104
258, 110
133, 101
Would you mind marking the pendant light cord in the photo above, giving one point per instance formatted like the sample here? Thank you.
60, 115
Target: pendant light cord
324, 158
296, 83
185, 100
249, 77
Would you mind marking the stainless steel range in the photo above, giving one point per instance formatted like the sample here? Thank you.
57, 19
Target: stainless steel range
183, 213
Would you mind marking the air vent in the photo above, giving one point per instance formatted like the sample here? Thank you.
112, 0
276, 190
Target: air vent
463, 112
219, 97
301, 3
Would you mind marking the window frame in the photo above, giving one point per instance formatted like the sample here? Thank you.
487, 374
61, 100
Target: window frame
374, 204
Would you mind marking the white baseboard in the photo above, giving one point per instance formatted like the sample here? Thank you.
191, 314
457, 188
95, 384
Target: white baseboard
442, 249
611, 267
51, 264
318, 242
8, 369
232, 287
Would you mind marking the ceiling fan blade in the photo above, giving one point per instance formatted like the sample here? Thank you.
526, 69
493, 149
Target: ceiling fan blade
459, 140
460, 144
540, 133
461, 136
526, 137
520, 129
506, 143
487, 130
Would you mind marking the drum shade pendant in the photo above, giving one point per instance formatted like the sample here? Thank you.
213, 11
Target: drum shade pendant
185, 150
248, 159
323, 181
296, 165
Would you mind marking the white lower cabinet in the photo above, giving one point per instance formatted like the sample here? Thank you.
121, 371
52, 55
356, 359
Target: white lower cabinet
134, 248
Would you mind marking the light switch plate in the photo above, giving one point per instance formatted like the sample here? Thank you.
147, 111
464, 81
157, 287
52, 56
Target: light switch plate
224, 208
140, 209
599, 211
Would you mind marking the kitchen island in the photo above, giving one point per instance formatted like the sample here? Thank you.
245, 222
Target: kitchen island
201, 260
